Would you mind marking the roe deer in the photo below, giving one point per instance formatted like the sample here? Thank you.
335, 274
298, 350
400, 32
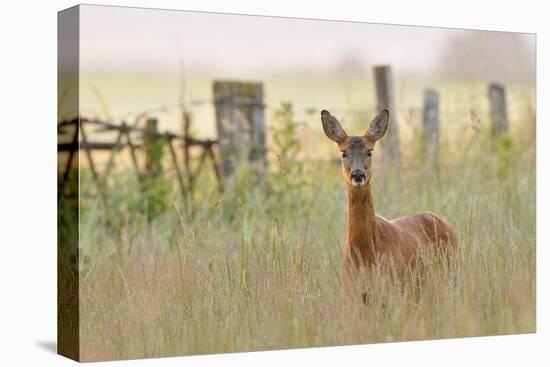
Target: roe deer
371, 239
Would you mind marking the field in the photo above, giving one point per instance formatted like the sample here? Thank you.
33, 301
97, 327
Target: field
257, 266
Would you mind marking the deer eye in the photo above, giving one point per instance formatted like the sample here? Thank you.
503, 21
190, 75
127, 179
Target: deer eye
344, 154
369, 153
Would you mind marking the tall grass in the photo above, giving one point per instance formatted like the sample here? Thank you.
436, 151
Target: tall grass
256, 267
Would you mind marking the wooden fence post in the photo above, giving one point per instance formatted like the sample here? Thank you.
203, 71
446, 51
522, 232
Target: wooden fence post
186, 117
153, 148
240, 123
385, 99
430, 124
499, 114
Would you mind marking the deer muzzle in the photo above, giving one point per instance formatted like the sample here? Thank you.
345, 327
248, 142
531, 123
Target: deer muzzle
358, 177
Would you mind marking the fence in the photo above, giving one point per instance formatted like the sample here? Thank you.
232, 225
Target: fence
240, 123
126, 138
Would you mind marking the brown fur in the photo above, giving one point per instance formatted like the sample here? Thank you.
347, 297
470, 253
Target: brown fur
371, 239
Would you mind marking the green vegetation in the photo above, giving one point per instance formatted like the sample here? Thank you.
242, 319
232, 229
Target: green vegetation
257, 267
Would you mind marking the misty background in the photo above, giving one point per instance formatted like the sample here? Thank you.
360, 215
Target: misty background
134, 58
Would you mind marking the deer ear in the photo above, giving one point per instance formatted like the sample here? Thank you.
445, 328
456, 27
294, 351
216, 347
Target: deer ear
332, 127
378, 126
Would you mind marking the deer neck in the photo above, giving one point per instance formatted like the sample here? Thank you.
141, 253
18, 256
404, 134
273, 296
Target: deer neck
361, 224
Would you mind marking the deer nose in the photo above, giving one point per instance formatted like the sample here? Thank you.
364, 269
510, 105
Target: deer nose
358, 175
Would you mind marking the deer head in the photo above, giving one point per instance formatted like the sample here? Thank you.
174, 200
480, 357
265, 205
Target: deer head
356, 151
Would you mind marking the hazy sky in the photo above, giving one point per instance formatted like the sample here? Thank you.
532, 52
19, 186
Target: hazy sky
129, 38
279, 52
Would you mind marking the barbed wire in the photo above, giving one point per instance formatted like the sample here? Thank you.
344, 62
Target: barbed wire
139, 114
